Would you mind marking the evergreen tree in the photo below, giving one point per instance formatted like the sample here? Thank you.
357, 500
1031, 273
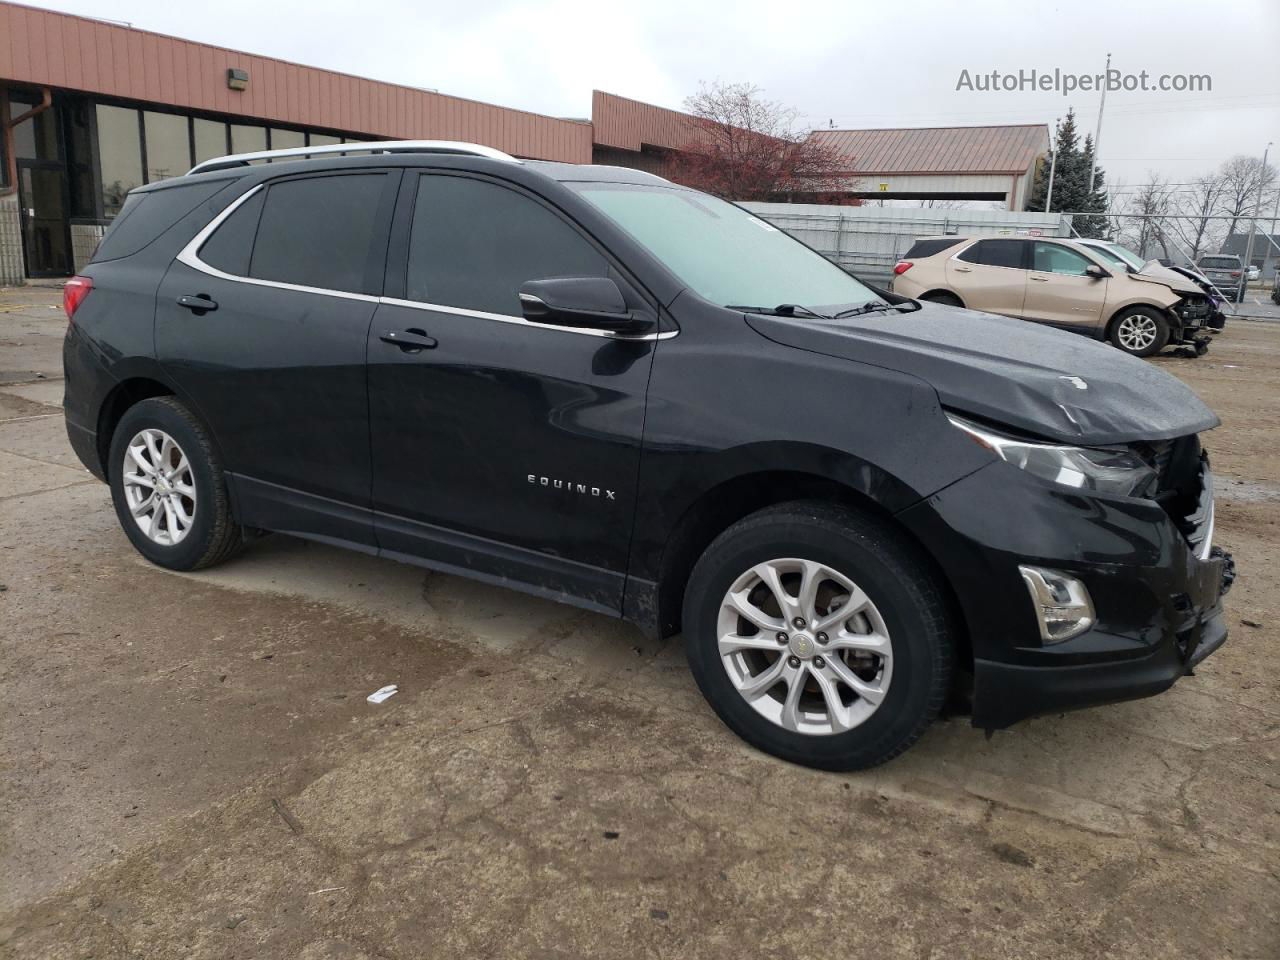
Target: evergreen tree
1071, 191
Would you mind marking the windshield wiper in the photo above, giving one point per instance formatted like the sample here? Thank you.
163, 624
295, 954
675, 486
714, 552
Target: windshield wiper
781, 310
875, 307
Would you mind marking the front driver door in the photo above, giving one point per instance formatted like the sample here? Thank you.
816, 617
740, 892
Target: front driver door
501, 448
991, 275
1060, 292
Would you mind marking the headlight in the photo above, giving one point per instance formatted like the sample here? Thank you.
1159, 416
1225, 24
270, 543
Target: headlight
1104, 470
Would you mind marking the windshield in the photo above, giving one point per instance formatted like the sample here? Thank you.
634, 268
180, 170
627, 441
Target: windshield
1111, 256
1124, 255
724, 254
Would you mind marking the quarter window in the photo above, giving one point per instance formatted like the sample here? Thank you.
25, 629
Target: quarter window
995, 253
1055, 258
318, 232
474, 243
231, 245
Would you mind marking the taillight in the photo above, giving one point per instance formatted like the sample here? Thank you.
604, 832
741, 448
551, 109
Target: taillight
1235, 273
73, 294
902, 267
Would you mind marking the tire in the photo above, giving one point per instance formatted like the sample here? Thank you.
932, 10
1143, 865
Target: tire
1139, 331
195, 531
905, 605
941, 296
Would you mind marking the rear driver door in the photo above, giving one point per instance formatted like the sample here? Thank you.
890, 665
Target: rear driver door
991, 275
270, 346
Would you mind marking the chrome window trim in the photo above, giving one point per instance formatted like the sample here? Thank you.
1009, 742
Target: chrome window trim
506, 318
189, 256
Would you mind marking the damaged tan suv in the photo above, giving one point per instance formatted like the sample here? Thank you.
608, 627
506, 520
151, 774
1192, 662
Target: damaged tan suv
1060, 283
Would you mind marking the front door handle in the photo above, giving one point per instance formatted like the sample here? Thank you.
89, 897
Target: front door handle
410, 341
200, 303
964, 270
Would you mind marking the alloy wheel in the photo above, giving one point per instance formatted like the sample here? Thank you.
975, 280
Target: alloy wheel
804, 646
159, 487
1137, 331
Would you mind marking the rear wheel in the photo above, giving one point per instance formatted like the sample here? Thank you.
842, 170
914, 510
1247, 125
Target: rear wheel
941, 296
168, 487
1140, 331
817, 635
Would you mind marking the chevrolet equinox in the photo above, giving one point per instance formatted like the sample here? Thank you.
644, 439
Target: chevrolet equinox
597, 386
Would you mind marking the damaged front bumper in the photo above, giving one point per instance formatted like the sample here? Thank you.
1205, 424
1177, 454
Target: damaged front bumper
1156, 588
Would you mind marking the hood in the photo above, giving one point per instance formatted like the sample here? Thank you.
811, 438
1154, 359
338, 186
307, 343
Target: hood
1154, 272
1057, 385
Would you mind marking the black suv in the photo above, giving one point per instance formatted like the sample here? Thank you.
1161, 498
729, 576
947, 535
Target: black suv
597, 386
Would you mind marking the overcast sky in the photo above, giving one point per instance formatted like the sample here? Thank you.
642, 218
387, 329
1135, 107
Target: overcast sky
868, 64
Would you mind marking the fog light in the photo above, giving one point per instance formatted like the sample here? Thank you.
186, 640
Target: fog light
1061, 602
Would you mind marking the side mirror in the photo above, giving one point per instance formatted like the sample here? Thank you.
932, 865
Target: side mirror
1095, 271
591, 302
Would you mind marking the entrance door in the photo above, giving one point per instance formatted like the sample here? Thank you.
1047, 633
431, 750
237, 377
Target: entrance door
42, 189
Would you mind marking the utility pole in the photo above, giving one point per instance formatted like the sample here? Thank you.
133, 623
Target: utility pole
1097, 133
1257, 209
1053, 166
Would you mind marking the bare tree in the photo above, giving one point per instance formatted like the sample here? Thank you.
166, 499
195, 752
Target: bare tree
1149, 206
1241, 177
744, 147
1196, 206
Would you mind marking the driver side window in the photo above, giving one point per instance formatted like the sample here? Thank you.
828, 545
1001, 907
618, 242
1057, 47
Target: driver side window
473, 243
1054, 258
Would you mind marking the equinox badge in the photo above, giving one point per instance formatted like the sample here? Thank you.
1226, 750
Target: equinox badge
571, 487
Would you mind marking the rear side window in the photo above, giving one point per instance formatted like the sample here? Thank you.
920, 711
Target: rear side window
473, 243
995, 253
231, 245
927, 248
145, 216
318, 232
1055, 258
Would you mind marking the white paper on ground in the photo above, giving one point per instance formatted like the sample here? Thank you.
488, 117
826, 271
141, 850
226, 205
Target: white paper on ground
390, 690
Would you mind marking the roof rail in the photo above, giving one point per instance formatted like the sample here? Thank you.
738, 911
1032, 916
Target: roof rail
362, 146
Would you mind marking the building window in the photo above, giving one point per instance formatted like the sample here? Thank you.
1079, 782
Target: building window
120, 155
285, 139
37, 137
246, 139
210, 139
168, 145
79, 141
321, 140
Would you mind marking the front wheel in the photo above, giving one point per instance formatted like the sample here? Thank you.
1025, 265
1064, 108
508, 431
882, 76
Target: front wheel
819, 635
1140, 331
168, 487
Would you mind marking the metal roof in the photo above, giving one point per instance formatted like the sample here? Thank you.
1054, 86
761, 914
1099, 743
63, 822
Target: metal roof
928, 150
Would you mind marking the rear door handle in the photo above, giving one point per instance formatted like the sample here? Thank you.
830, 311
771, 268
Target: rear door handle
410, 341
199, 304
1040, 279
964, 270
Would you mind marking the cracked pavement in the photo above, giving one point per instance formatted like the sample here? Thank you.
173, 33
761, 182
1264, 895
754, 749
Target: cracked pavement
191, 769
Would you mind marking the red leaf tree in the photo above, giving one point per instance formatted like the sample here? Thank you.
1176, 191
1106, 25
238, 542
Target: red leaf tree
744, 147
